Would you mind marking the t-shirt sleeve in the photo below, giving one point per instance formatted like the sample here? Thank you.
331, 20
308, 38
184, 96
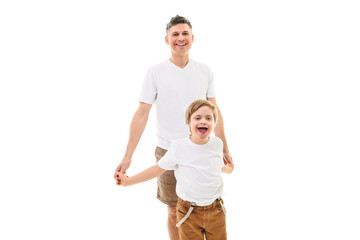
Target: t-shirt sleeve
149, 89
211, 89
168, 161
221, 151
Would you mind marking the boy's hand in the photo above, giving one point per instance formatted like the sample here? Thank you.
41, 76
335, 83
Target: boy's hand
122, 179
117, 178
228, 168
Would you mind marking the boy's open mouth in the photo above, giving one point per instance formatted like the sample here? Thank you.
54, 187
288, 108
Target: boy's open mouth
202, 130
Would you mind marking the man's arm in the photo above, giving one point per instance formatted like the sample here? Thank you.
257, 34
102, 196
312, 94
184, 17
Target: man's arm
137, 127
219, 132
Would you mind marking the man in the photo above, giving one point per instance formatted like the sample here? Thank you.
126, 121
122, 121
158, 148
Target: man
172, 86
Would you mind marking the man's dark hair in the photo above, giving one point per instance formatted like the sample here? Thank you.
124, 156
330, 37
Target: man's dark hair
176, 20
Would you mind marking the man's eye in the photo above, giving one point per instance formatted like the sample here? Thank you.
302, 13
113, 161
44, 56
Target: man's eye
175, 34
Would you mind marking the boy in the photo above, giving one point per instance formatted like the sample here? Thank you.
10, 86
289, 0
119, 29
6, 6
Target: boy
197, 162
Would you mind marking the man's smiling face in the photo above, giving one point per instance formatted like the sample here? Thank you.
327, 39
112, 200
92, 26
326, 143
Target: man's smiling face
179, 38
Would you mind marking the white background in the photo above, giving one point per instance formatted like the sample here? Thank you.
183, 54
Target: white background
287, 75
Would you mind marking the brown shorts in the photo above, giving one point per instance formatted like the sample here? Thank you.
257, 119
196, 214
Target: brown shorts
207, 220
166, 182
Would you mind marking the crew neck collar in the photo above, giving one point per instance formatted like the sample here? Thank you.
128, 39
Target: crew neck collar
197, 144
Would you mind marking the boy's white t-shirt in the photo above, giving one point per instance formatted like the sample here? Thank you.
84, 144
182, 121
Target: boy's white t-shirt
197, 169
173, 89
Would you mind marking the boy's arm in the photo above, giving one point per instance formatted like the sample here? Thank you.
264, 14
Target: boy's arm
137, 127
144, 176
220, 132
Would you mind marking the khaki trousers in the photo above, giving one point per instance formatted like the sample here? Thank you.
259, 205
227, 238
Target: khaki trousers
203, 221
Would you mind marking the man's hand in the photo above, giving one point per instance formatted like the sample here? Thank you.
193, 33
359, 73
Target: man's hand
227, 158
121, 169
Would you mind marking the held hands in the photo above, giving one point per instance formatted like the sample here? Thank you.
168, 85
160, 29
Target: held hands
228, 168
123, 180
227, 158
229, 164
121, 169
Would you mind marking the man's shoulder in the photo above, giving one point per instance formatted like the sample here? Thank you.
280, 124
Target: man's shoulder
159, 66
200, 65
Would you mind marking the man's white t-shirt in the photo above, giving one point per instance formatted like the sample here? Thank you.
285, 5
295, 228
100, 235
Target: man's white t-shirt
197, 169
173, 89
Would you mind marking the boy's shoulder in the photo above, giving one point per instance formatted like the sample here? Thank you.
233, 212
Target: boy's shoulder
217, 141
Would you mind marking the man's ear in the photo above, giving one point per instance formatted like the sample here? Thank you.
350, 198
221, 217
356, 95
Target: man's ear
167, 39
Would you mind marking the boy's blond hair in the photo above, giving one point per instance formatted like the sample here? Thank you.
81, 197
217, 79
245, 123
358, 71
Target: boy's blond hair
196, 105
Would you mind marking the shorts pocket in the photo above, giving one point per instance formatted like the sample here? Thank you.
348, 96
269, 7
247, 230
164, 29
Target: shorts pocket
182, 209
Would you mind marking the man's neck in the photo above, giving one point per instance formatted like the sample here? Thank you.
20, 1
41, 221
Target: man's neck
180, 61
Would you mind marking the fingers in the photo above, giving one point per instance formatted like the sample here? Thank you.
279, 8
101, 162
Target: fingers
118, 182
117, 170
228, 159
121, 179
124, 179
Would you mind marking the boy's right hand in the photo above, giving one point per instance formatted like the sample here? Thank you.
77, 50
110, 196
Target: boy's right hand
122, 179
228, 168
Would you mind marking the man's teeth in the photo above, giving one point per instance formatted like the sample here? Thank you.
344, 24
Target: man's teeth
181, 44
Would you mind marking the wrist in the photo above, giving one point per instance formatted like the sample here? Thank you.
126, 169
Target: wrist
127, 157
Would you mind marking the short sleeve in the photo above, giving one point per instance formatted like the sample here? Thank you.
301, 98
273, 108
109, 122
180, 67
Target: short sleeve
168, 161
220, 147
148, 92
211, 89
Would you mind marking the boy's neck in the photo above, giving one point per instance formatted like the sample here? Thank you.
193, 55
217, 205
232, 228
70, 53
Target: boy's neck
198, 141
180, 60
